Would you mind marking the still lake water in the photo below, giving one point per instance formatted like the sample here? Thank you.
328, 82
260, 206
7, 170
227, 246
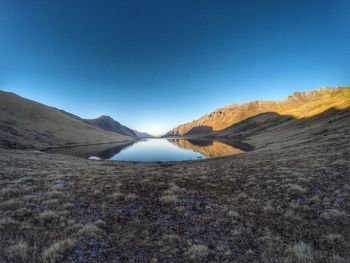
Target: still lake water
157, 150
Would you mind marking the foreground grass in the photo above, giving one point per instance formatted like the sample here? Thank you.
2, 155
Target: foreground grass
270, 205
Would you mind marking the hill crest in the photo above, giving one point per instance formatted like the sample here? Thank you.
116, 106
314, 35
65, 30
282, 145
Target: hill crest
298, 104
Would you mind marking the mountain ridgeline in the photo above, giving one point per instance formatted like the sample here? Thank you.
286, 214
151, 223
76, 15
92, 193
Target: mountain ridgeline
28, 124
299, 105
108, 124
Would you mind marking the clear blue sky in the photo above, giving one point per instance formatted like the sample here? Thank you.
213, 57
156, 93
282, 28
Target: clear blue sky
155, 64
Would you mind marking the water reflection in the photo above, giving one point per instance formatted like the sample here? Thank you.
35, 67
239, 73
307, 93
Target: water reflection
208, 148
110, 152
153, 150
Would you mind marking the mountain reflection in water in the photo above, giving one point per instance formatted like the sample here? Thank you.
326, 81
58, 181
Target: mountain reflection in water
153, 150
208, 148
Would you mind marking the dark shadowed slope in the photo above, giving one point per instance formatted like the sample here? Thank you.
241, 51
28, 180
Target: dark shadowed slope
272, 130
143, 134
25, 123
108, 124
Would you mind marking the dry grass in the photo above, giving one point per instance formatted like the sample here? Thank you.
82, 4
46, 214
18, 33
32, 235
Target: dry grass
333, 242
198, 252
130, 197
296, 189
332, 214
11, 204
168, 199
58, 251
18, 252
233, 214
8, 224
299, 253
49, 218
116, 196
338, 259
89, 231
270, 205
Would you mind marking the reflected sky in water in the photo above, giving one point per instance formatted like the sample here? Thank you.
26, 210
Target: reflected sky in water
172, 149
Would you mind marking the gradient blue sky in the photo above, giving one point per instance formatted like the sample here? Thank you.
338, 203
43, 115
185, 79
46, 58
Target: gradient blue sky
155, 64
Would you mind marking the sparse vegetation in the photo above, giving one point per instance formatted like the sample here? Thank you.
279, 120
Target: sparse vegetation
198, 252
116, 196
17, 252
89, 231
296, 189
130, 197
8, 224
333, 242
58, 251
269, 205
233, 214
332, 214
299, 253
168, 199
48, 217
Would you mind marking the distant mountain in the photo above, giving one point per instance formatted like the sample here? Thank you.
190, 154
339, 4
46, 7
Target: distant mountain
298, 105
28, 124
142, 134
108, 124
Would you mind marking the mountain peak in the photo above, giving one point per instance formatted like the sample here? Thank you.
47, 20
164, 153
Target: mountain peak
105, 117
109, 124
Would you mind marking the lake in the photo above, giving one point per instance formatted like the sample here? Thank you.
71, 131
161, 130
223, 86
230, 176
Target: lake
157, 150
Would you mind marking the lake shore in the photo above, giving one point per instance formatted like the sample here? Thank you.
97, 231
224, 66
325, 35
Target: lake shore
267, 205
157, 149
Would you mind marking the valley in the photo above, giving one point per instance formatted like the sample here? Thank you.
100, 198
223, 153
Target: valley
285, 200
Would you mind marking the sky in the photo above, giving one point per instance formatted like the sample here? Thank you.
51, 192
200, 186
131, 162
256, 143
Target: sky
153, 65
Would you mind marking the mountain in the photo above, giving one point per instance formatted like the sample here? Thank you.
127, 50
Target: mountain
28, 124
108, 124
298, 105
142, 134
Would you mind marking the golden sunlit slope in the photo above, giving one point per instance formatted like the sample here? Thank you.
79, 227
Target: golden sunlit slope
25, 123
297, 105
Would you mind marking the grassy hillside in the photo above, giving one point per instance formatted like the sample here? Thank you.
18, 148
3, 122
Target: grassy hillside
287, 201
25, 123
298, 105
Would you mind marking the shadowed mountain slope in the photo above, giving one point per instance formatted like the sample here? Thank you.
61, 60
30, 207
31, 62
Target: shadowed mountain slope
298, 105
272, 130
26, 123
108, 124
142, 134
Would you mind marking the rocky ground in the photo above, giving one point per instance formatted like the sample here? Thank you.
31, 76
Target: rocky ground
286, 202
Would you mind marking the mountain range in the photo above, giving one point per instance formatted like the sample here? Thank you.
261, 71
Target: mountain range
28, 124
299, 105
